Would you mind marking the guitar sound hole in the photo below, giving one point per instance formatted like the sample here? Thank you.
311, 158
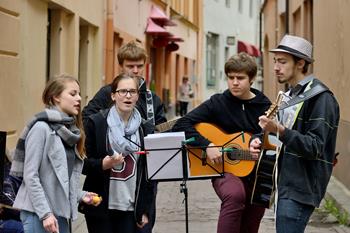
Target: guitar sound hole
232, 155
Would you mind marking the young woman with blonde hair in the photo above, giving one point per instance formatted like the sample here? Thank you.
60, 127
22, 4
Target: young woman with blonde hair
49, 157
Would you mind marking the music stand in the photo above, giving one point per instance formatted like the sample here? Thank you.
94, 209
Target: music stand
166, 152
2, 157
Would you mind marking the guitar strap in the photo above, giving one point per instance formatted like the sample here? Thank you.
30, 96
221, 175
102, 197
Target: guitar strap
150, 109
319, 88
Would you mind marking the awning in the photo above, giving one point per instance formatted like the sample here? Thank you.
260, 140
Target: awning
248, 48
174, 38
156, 23
158, 16
154, 29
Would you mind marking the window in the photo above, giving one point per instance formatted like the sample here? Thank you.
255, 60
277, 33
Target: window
240, 6
211, 59
251, 8
227, 53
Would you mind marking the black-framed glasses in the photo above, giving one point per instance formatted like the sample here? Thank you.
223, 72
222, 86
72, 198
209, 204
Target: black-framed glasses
124, 92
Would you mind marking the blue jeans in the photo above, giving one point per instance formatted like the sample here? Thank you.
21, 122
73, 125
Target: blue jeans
32, 223
292, 216
11, 226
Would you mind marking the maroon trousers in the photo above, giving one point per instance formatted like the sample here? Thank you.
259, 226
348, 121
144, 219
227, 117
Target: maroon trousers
237, 215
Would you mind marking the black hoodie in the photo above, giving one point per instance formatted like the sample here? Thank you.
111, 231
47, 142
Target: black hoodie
226, 111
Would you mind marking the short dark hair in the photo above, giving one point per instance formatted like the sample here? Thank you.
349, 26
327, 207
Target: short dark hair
131, 51
241, 62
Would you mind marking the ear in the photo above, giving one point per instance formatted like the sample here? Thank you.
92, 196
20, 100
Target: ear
252, 81
112, 96
56, 99
300, 64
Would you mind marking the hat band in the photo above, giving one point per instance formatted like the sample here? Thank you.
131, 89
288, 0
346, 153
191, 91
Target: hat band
296, 52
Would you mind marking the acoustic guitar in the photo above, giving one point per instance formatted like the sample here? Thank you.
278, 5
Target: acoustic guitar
237, 159
264, 183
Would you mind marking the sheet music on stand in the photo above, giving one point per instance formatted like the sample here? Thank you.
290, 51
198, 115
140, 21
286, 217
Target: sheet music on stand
164, 158
167, 157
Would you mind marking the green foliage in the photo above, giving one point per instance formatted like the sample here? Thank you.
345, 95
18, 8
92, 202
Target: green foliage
342, 216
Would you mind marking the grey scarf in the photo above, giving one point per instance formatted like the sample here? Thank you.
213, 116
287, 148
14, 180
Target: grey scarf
117, 130
60, 122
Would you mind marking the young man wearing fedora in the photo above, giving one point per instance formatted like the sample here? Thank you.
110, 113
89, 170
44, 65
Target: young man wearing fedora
308, 131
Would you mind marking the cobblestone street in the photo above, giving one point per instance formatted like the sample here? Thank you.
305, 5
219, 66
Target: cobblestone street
203, 208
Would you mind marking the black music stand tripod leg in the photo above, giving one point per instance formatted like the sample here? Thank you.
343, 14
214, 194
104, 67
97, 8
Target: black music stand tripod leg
183, 189
183, 186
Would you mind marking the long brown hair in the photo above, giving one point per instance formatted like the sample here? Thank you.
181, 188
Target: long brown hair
53, 89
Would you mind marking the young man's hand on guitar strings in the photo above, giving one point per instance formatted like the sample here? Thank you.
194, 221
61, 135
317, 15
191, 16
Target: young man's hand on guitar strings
213, 154
271, 125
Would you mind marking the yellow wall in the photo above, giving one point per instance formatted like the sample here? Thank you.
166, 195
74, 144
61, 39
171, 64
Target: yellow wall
332, 55
23, 53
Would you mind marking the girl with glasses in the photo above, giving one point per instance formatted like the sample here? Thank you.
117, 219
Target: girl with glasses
113, 167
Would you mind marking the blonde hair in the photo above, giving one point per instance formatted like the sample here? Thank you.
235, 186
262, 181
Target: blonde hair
54, 88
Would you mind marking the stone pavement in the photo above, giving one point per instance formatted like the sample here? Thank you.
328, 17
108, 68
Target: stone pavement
204, 205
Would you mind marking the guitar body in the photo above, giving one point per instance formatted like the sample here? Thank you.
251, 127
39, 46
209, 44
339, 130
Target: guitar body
264, 185
237, 162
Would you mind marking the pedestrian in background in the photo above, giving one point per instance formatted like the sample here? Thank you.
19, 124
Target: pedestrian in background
49, 156
113, 168
185, 94
308, 131
132, 59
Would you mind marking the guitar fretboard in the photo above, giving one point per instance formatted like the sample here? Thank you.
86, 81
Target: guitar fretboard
237, 154
166, 125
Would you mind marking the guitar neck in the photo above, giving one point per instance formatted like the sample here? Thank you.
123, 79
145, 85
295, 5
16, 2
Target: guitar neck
238, 154
166, 125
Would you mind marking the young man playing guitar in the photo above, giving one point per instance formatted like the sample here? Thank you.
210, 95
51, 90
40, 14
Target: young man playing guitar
235, 110
308, 131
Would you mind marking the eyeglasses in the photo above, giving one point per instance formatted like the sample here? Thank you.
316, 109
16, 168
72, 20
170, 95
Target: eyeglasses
124, 92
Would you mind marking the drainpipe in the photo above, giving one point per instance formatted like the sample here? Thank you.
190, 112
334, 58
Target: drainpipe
287, 16
109, 56
286, 86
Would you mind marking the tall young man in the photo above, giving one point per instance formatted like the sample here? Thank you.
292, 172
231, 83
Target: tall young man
132, 59
308, 132
236, 109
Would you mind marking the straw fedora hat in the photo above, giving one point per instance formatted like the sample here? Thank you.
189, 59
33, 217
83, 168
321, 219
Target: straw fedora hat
295, 46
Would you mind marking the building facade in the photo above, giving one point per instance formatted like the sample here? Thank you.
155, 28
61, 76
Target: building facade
169, 30
328, 35
40, 39
230, 26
